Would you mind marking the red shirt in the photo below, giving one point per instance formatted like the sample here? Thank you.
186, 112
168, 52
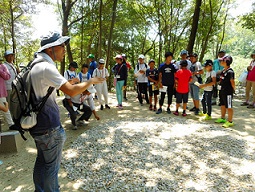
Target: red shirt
183, 77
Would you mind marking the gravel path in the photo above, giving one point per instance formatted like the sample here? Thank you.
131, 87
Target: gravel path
161, 154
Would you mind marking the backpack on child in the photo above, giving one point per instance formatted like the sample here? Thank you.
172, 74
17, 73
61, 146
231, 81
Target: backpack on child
23, 105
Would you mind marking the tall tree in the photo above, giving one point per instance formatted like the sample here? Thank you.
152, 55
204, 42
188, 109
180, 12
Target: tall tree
194, 27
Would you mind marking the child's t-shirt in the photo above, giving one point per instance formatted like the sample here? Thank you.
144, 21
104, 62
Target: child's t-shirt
183, 77
103, 73
152, 73
168, 72
208, 77
225, 77
70, 74
84, 77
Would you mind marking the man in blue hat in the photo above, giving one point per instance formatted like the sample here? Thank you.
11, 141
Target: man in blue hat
48, 133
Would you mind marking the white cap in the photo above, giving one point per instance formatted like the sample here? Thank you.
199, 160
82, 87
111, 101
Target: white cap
141, 56
101, 61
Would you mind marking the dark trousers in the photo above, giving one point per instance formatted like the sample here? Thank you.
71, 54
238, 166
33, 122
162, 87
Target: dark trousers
207, 102
142, 89
170, 93
73, 114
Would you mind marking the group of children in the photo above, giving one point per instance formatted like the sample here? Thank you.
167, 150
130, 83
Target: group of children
179, 79
172, 78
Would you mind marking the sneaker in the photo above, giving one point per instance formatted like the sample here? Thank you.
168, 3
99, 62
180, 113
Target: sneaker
244, 103
250, 106
107, 107
102, 107
207, 117
213, 103
176, 113
80, 122
74, 127
202, 114
159, 111
193, 109
184, 114
228, 124
141, 104
120, 107
221, 120
125, 99
168, 110
150, 108
197, 112
155, 108
13, 127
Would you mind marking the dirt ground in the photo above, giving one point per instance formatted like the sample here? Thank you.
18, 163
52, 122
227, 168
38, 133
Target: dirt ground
16, 170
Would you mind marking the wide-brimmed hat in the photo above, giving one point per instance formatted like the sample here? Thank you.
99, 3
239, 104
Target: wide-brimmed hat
53, 39
8, 52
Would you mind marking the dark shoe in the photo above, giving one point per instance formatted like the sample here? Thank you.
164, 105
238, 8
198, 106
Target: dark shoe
159, 111
141, 104
196, 111
125, 99
213, 103
150, 108
155, 108
102, 107
74, 127
107, 107
168, 110
193, 109
244, 104
250, 106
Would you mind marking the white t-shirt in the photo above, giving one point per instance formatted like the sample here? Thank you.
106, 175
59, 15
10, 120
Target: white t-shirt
44, 75
195, 67
141, 78
179, 66
208, 75
13, 72
100, 73
70, 74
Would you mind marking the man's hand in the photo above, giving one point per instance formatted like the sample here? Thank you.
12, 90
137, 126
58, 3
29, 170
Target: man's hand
96, 80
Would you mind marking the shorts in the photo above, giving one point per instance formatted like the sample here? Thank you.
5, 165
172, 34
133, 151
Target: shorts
153, 92
182, 97
226, 100
194, 91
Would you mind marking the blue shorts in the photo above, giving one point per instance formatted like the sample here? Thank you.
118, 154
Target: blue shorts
194, 91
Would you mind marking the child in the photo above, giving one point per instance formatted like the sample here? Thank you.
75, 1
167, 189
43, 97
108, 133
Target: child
166, 79
87, 97
182, 78
102, 88
208, 89
226, 88
152, 75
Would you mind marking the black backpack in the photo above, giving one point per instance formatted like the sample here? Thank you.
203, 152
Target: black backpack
23, 100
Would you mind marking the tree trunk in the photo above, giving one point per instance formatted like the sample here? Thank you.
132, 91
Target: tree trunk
100, 29
109, 54
194, 27
12, 31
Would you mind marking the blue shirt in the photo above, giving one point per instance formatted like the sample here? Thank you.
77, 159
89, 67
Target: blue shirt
216, 66
92, 67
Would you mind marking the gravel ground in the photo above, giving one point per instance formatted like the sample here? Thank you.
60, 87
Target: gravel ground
161, 154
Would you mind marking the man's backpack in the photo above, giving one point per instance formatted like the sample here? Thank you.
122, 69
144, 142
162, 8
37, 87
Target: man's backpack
23, 105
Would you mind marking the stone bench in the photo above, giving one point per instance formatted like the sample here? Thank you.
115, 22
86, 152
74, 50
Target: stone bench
11, 141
